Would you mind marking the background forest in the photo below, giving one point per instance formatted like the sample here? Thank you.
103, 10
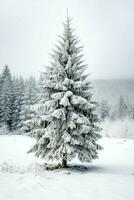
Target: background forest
19, 99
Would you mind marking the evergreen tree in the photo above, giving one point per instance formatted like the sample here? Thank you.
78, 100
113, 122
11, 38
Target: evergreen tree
66, 126
31, 90
18, 102
29, 100
104, 110
6, 98
122, 108
131, 110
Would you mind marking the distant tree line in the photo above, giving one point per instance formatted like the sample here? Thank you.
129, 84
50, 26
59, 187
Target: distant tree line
120, 110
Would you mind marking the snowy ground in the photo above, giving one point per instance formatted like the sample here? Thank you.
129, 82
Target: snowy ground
22, 176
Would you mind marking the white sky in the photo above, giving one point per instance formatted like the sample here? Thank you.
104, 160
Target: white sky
29, 28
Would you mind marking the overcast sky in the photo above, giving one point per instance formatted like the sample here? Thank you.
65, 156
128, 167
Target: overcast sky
29, 29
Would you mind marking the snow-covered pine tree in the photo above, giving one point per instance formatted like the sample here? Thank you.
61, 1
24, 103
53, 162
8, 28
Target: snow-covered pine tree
131, 110
29, 100
31, 85
123, 108
6, 98
66, 126
37, 109
18, 102
104, 110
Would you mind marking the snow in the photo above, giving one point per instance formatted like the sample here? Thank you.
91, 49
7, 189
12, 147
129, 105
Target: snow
77, 100
118, 128
59, 113
23, 177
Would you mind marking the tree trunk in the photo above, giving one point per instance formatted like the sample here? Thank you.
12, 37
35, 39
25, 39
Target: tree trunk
64, 163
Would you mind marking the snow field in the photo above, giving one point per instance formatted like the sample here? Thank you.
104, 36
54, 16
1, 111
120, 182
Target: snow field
23, 177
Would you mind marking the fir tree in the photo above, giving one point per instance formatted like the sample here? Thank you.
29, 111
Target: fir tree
104, 110
130, 112
31, 90
6, 98
18, 102
123, 109
66, 127
29, 100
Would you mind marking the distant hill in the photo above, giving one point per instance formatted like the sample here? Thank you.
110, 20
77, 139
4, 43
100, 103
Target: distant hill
110, 90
